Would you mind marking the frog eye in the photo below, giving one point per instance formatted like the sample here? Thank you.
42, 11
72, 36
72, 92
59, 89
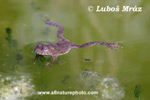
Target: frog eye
39, 45
44, 48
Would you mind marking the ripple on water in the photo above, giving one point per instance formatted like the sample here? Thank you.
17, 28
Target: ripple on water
90, 78
109, 88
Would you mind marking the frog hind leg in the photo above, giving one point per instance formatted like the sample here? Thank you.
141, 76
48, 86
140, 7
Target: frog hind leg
60, 30
110, 45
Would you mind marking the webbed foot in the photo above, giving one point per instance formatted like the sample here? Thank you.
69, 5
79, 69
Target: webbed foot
54, 60
114, 46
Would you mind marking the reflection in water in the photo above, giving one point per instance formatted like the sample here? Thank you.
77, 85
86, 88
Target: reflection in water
8, 30
9, 36
15, 87
11, 42
19, 57
15, 43
108, 87
137, 91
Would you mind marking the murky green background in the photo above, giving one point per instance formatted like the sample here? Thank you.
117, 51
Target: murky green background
129, 65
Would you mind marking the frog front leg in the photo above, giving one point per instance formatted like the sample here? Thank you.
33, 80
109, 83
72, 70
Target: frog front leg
54, 60
37, 58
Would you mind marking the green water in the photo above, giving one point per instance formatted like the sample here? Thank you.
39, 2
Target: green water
129, 65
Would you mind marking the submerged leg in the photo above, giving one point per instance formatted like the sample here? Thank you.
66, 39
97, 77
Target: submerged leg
51, 63
37, 57
110, 45
60, 30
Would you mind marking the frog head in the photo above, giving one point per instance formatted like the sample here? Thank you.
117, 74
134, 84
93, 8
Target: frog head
41, 49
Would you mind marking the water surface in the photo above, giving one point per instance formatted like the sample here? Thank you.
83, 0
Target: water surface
127, 67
